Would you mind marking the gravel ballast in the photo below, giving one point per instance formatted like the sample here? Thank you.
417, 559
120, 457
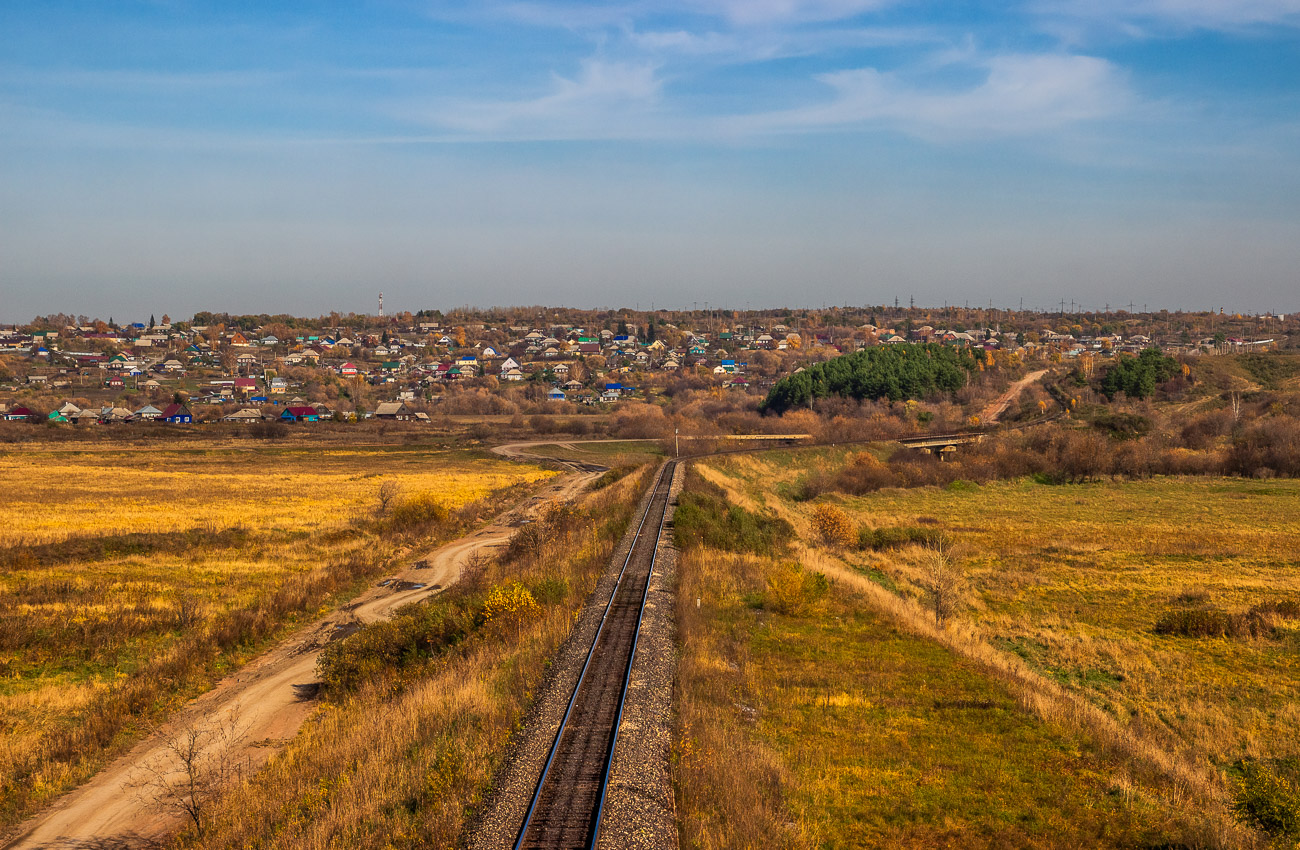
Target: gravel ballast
640, 801
639, 810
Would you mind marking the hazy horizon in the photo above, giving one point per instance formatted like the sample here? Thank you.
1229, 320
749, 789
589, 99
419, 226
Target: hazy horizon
169, 157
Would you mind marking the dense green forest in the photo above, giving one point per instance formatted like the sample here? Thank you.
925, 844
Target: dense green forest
894, 372
1138, 377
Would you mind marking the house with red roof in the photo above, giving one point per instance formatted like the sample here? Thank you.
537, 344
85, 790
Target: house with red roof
300, 414
176, 414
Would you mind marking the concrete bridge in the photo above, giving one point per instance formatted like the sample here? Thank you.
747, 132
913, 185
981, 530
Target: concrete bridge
941, 444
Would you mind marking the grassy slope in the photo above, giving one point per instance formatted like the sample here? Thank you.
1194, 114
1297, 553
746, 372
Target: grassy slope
835, 729
1072, 579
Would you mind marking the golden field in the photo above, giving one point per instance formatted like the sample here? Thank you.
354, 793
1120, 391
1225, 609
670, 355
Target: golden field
132, 579
1063, 590
51, 495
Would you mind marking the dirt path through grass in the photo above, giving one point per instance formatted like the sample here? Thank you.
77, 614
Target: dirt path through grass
990, 414
266, 701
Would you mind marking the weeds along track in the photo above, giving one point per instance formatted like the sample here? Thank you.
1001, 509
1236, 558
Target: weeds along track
566, 804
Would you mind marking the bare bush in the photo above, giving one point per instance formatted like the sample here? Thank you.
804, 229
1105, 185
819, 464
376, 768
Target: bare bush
198, 763
389, 491
1271, 447
943, 580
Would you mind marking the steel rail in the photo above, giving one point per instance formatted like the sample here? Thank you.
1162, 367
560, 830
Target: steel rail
559, 733
636, 637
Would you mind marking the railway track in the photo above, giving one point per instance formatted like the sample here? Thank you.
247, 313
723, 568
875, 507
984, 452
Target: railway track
565, 809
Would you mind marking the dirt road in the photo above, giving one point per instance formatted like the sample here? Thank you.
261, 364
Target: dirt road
990, 414
267, 700
520, 451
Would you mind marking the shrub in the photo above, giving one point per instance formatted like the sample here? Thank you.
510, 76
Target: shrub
914, 468
388, 648
1121, 426
864, 475
1270, 447
1285, 609
703, 518
793, 590
508, 607
895, 537
1267, 801
813, 486
612, 476
417, 511
833, 526
1261, 620
1201, 432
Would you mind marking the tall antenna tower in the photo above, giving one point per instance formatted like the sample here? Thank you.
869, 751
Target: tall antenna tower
381, 305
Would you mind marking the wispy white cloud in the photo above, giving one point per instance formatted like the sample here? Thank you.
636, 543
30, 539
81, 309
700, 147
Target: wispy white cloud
738, 13
1021, 94
766, 12
596, 103
736, 47
1138, 18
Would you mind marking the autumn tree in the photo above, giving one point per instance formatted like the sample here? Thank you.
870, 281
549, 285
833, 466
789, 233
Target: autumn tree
833, 526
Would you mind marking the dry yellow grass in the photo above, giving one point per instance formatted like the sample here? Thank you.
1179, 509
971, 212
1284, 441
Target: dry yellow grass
135, 578
52, 495
1064, 587
827, 725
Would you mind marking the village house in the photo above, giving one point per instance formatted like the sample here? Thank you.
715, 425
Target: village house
297, 413
177, 414
392, 410
246, 416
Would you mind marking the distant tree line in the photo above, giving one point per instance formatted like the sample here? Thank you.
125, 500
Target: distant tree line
894, 372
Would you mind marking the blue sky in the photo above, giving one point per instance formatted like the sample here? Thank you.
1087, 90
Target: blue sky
169, 156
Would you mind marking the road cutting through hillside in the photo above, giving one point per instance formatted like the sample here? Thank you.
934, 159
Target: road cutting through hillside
267, 700
994, 410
